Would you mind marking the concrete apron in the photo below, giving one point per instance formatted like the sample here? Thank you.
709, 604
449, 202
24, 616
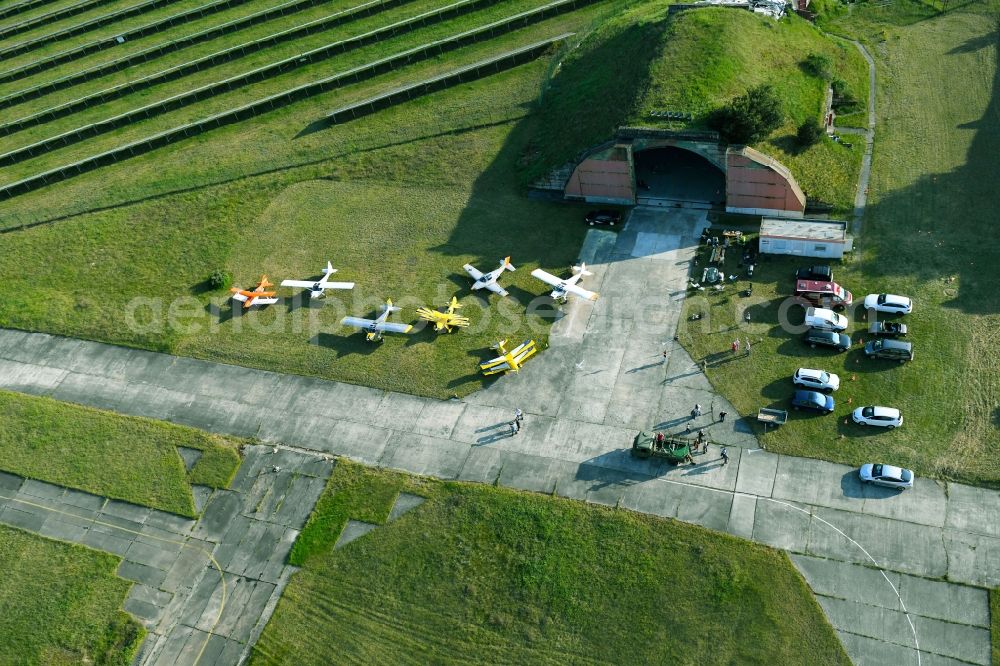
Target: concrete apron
603, 378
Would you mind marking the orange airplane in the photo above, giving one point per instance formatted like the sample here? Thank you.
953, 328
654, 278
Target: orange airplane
256, 297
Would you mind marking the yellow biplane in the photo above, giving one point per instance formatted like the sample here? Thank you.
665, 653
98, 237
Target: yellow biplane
444, 321
509, 360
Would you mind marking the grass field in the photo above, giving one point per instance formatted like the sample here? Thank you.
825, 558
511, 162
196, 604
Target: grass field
490, 575
62, 604
926, 234
126, 458
398, 202
995, 623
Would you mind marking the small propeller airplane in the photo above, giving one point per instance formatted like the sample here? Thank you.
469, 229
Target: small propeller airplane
563, 288
375, 327
509, 361
258, 296
445, 321
489, 280
318, 289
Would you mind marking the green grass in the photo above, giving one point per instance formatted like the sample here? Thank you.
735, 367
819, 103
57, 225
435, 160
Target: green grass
62, 604
435, 174
695, 62
995, 624
927, 234
126, 458
489, 575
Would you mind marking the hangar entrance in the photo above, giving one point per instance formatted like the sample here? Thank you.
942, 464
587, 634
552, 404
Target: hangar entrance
678, 175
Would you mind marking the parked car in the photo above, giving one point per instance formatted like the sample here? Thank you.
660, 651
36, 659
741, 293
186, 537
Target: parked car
886, 475
888, 303
818, 337
817, 380
873, 415
820, 273
825, 319
820, 402
823, 294
887, 329
606, 216
895, 350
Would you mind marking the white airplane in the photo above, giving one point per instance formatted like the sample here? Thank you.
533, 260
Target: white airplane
375, 327
489, 280
317, 289
563, 288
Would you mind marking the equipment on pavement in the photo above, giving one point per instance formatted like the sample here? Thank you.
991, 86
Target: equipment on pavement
674, 450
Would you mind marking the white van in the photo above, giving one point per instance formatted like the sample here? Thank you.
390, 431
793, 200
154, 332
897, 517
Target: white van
827, 320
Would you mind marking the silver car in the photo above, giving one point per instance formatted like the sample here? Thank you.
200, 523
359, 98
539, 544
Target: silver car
886, 475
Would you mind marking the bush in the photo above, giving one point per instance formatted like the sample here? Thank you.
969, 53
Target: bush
844, 100
220, 279
819, 65
750, 117
808, 133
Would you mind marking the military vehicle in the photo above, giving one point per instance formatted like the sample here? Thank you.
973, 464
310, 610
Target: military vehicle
655, 445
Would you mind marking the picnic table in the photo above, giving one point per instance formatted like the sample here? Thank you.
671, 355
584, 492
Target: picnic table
718, 255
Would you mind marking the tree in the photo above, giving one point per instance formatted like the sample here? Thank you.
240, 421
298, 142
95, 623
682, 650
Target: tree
808, 133
750, 117
819, 65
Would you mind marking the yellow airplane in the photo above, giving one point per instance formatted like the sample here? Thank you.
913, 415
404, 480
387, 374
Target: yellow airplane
444, 321
509, 360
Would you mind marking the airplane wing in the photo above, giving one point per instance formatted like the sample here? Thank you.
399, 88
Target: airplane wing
547, 278
263, 300
581, 292
337, 285
239, 296
357, 322
494, 366
393, 327
471, 270
305, 284
523, 351
496, 289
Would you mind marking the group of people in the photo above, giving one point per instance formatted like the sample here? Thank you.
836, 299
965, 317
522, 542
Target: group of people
736, 346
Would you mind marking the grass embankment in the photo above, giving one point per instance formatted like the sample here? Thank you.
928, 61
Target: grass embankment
62, 604
208, 75
123, 457
927, 234
477, 572
695, 62
995, 624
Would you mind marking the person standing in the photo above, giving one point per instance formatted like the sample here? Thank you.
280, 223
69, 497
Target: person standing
725, 456
697, 410
748, 346
518, 415
722, 417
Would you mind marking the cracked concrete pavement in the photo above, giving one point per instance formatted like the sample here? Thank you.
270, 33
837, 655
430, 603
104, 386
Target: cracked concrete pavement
204, 589
602, 379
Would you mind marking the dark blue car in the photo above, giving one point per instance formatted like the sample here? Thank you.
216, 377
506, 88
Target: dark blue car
812, 400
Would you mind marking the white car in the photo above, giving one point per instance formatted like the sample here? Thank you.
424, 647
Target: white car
886, 475
817, 380
888, 303
825, 319
873, 415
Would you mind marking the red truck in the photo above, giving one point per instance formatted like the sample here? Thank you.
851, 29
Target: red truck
823, 294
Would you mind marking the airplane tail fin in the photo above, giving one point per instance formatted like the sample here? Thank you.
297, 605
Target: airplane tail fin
506, 264
454, 305
581, 270
389, 307
330, 270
